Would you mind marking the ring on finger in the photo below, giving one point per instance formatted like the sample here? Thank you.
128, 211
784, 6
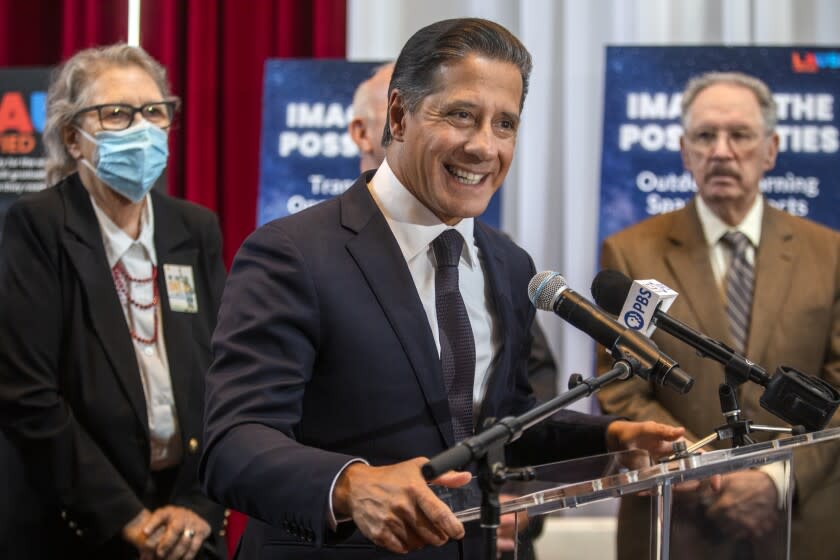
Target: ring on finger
189, 533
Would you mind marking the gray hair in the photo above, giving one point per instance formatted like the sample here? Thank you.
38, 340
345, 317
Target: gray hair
762, 93
450, 41
68, 93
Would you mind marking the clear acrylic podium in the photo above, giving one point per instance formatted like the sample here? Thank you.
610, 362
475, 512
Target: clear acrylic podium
571, 484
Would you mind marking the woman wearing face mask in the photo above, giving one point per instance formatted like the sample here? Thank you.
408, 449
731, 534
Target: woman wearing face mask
108, 298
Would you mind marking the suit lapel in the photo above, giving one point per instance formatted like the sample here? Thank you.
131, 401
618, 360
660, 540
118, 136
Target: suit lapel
87, 253
774, 265
380, 260
495, 273
174, 246
688, 260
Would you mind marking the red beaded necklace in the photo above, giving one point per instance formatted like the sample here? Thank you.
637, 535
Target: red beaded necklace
122, 281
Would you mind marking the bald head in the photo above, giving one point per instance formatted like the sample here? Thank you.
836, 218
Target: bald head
370, 105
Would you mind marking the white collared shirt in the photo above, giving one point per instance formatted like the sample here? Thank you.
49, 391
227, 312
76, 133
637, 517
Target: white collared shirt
415, 227
138, 257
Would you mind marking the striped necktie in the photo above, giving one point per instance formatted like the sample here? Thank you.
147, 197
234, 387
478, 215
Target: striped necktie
739, 289
457, 347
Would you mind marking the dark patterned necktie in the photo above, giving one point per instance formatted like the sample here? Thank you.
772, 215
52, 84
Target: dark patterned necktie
457, 347
739, 289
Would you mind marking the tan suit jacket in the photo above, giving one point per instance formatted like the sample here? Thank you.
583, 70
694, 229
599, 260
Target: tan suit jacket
795, 322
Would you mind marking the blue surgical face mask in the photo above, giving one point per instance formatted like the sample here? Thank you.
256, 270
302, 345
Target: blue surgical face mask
130, 161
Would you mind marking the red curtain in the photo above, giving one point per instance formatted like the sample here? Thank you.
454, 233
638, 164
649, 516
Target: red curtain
45, 32
214, 51
215, 56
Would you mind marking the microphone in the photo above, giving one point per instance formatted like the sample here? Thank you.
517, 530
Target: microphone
611, 289
548, 291
791, 395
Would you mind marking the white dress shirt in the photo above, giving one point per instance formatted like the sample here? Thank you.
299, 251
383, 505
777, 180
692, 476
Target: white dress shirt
138, 257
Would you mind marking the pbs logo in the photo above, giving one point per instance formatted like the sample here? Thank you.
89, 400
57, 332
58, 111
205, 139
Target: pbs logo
634, 320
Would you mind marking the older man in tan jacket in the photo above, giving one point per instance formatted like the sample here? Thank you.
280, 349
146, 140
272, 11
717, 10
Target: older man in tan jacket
787, 313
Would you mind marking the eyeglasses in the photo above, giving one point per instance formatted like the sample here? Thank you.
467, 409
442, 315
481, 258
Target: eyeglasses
739, 139
119, 116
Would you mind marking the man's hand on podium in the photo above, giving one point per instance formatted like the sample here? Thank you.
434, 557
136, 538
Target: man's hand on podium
653, 437
657, 439
394, 507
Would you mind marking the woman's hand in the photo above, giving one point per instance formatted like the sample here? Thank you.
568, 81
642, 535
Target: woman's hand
175, 533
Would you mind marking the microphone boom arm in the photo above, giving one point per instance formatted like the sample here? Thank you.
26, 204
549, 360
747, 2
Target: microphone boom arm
509, 429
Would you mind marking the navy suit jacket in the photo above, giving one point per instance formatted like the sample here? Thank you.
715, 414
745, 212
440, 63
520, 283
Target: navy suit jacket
323, 353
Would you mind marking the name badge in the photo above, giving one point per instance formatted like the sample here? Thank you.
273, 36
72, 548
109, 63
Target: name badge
180, 286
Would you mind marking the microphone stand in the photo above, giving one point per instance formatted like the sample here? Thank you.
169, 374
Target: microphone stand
736, 372
487, 447
805, 402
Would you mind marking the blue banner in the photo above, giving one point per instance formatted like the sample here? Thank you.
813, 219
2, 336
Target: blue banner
306, 153
22, 115
641, 167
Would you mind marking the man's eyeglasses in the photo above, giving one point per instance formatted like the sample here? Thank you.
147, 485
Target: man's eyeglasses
740, 139
119, 116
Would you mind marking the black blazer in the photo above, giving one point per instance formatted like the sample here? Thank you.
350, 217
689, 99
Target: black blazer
71, 397
323, 353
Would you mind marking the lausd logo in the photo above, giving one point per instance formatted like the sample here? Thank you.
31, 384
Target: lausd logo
17, 127
812, 62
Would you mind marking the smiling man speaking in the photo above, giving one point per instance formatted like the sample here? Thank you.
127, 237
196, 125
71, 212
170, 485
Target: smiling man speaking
380, 327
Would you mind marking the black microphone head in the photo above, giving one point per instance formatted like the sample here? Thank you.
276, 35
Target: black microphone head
545, 288
800, 399
609, 290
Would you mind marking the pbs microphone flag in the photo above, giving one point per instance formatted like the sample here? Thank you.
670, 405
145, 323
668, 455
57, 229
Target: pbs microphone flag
643, 300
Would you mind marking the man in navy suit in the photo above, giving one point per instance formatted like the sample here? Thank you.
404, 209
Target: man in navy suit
327, 392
